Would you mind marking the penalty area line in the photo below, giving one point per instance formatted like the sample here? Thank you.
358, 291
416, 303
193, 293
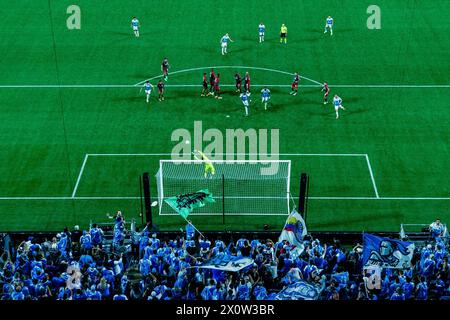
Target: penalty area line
45, 198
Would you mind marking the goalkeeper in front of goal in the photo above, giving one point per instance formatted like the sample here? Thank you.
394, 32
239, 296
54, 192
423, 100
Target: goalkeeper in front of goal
209, 167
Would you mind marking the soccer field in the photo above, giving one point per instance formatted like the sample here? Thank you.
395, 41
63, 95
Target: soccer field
76, 132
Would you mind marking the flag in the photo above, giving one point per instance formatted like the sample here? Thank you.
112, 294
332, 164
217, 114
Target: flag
445, 233
185, 203
386, 252
227, 263
294, 230
300, 290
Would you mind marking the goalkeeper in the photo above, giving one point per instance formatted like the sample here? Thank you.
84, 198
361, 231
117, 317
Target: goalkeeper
209, 168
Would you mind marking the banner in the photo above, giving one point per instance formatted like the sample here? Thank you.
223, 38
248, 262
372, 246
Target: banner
294, 230
299, 290
185, 203
386, 252
227, 263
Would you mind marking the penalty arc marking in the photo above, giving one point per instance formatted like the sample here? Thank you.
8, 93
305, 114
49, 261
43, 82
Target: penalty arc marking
231, 67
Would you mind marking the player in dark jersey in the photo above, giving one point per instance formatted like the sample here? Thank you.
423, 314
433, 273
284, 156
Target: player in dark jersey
165, 68
217, 87
204, 85
247, 82
294, 86
160, 86
212, 79
327, 92
238, 79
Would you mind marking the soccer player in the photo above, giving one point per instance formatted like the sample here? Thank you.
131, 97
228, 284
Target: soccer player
329, 25
135, 26
245, 101
327, 92
265, 97
148, 89
294, 86
209, 167
224, 43
217, 87
247, 82
237, 78
337, 102
160, 86
283, 34
212, 79
204, 86
262, 32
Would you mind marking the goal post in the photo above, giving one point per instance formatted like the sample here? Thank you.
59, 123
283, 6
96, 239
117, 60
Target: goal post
239, 187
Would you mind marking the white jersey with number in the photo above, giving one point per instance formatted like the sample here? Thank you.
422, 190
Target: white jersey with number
337, 102
135, 24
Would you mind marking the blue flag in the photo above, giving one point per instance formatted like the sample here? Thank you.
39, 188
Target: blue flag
227, 263
386, 252
300, 290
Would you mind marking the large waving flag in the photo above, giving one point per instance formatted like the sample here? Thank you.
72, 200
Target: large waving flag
294, 230
386, 252
185, 203
227, 263
300, 290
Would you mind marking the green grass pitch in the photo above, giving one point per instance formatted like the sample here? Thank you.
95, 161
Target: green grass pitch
399, 126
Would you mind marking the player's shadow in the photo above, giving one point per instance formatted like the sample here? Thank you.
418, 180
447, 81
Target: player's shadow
310, 39
319, 31
346, 100
121, 33
242, 49
351, 112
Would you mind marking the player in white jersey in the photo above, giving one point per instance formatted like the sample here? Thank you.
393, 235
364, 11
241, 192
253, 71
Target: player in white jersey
224, 43
329, 25
135, 26
148, 90
265, 97
337, 102
262, 32
245, 98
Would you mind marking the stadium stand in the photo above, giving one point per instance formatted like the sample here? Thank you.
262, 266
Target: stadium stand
121, 263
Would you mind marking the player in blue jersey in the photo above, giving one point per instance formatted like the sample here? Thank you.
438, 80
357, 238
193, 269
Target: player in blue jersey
245, 98
135, 26
224, 43
265, 97
329, 25
337, 102
262, 32
148, 89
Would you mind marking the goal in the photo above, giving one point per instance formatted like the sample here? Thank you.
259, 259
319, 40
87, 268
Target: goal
239, 187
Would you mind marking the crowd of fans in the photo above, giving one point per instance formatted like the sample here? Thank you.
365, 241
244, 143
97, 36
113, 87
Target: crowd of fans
78, 266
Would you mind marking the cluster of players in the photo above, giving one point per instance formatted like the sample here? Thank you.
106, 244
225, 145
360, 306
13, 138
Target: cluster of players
214, 79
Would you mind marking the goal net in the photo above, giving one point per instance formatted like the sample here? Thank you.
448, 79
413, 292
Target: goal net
239, 187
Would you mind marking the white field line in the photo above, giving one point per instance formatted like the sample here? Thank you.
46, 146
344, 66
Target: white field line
237, 154
371, 176
45, 198
37, 86
112, 86
79, 175
229, 67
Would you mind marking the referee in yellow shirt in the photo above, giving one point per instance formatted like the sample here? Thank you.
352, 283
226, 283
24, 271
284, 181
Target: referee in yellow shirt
283, 33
